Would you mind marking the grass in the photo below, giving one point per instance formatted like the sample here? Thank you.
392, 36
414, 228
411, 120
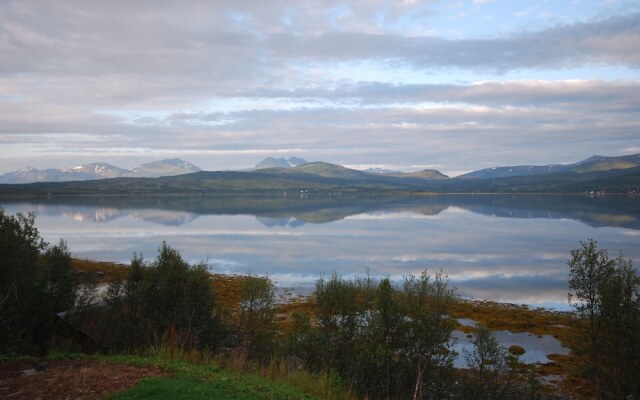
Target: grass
219, 385
208, 380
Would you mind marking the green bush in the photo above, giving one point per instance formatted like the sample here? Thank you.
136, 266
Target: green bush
257, 312
35, 284
166, 302
605, 294
381, 341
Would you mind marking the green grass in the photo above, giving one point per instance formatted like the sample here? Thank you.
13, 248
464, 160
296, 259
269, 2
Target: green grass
209, 381
217, 385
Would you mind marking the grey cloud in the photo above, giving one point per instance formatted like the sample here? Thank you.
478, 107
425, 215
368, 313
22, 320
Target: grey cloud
620, 96
200, 41
454, 137
615, 40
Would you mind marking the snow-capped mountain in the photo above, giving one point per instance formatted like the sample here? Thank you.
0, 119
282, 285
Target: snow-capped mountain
99, 170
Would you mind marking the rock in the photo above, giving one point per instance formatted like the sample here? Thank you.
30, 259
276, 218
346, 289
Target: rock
28, 372
517, 350
43, 366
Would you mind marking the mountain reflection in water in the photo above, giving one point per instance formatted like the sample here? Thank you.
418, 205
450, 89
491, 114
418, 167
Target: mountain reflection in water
497, 247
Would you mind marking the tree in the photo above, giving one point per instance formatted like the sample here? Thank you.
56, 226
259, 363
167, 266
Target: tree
57, 291
257, 312
176, 298
605, 295
384, 340
339, 306
59, 282
427, 302
35, 284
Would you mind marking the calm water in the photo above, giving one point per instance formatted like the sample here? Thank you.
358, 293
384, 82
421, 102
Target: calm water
505, 248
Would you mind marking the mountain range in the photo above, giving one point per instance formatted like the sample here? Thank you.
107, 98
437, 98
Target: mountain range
595, 174
100, 170
591, 164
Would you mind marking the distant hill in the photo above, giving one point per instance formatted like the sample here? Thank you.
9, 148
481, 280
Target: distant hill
591, 175
99, 170
271, 162
591, 164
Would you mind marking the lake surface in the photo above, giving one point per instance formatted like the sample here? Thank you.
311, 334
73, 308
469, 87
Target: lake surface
495, 247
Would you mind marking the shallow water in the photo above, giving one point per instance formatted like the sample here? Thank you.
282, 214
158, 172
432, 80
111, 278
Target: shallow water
537, 347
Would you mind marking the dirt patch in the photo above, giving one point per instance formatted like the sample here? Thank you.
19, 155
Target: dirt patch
70, 379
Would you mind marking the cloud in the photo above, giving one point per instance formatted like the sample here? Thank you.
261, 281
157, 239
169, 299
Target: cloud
227, 82
615, 40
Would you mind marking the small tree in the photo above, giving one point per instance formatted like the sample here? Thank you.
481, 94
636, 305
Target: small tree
605, 294
384, 339
57, 292
34, 286
60, 285
176, 298
339, 310
427, 302
257, 314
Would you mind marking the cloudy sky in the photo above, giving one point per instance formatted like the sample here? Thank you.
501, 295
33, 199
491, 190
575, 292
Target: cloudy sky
452, 85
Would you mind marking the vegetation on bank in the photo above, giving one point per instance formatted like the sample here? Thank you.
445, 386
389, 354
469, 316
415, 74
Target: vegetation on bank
364, 337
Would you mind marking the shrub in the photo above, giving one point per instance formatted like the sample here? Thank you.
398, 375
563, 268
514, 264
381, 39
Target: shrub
167, 300
257, 312
605, 294
35, 284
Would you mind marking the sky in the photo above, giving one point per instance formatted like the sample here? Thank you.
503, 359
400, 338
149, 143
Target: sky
404, 85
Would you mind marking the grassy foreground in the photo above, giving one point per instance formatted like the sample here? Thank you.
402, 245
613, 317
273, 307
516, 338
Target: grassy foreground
207, 382
189, 380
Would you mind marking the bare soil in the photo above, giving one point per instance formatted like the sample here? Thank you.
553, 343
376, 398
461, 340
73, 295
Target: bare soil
70, 379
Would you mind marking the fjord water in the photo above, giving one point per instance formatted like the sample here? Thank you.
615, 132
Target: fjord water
496, 247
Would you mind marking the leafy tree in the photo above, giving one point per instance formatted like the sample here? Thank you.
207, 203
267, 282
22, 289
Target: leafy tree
605, 294
338, 311
383, 341
124, 326
57, 292
167, 298
59, 283
257, 312
20, 247
387, 343
427, 302
35, 284
176, 295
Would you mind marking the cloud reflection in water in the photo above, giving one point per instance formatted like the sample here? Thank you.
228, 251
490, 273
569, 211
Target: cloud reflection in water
492, 247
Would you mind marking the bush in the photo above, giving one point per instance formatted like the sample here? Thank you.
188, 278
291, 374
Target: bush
167, 300
605, 294
257, 312
35, 284
384, 342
